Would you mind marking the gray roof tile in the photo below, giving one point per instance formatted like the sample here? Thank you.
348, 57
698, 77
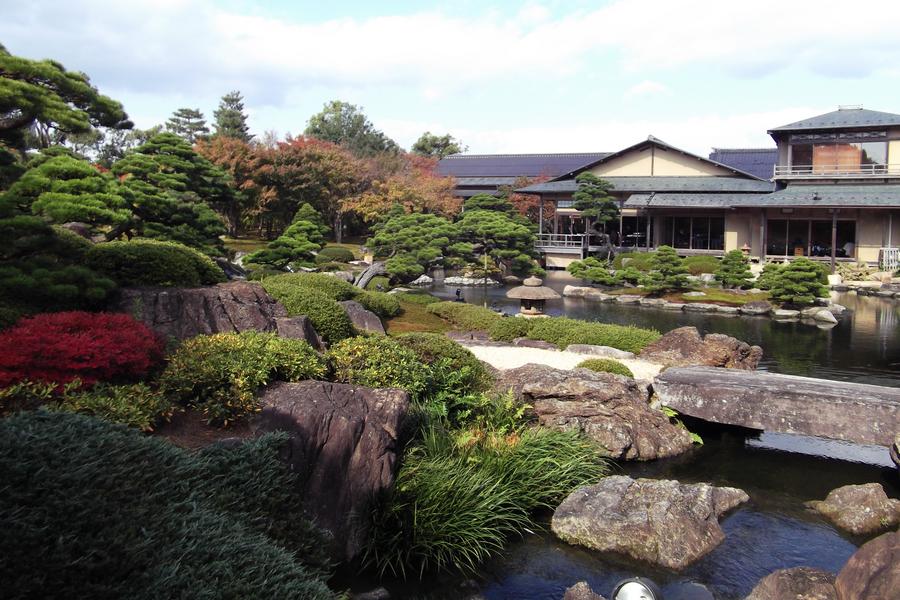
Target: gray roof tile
759, 162
661, 184
514, 165
843, 118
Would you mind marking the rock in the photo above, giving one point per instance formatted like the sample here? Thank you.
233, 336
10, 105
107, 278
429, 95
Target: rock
673, 306
379, 593
628, 299
859, 509
662, 522
810, 311
839, 410
610, 409
470, 281
840, 288
895, 450
575, 291
181, 313
700, 307
684, 346
364, 320
873, 572
342, 275
529, 343
299, 328
581, 591
885, 293
598, 296
469, 336
512, 280
756, 308
232, 271
783, 313
837, 309
727, 310
694, 294
344, 447
78, 228
835, 279
799, 583
825, 316
657, 302
707, 277
599, 351
422, 280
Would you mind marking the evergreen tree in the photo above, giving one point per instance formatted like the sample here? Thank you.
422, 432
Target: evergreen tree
189, 123
230, 118
437, 146
799, 282
295, 247
734, 270
592, 270
667, 272
412, 242
345, 124
769, 274
593, 199
503, 234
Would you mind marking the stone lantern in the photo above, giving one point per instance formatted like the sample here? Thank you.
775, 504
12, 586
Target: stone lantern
532, 295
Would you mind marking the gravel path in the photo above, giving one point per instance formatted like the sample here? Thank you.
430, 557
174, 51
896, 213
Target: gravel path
510, 357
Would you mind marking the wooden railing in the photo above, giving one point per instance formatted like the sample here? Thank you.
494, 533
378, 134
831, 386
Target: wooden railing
560, 240
889, 259
828, 171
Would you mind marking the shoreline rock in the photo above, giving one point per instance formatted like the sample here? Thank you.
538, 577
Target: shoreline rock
859, 509
685, 347
803, 583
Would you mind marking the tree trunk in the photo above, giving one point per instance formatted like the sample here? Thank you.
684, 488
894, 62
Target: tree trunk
363, 279
338, 226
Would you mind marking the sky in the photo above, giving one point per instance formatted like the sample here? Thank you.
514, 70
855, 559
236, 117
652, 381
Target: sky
504, 77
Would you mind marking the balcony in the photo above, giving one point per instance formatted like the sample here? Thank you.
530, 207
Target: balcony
836, 171
561, 242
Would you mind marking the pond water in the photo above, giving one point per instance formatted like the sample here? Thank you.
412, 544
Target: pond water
780, 472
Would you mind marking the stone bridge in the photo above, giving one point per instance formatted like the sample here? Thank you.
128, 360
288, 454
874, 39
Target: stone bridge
839, 410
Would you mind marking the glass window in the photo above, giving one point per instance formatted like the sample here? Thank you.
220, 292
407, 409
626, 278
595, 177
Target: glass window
776, 236
820, 239
717, 233
801, 155
798, 238
681, 232
634, 231
874, 153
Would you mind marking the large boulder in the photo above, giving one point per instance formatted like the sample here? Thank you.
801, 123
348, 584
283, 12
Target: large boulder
662, 522
363, 319
299, 328
182, 313
610, 409
873, 572
685, 347
860, 509
799, 583
343, 444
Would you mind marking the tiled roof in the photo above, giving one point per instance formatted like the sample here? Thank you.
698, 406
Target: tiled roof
841, 118
875, 195
660, 184
689, 200
461, 181
759, 162
514, 165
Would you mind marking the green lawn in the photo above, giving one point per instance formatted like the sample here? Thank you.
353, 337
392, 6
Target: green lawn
244, 244
415, 317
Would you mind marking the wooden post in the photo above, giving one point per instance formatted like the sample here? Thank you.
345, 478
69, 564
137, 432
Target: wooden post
621, 229
541, 214
833, 239
649, 225
762, 237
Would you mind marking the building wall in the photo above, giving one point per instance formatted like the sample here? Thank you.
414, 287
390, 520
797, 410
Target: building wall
870, 228
658, 162
559, 260
894, 155
738, 231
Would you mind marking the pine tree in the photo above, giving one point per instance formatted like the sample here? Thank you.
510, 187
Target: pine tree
230, 118
437, 146
593, 199
189, 123
295, 247
592, 270
667, 272
799, 282
734, 270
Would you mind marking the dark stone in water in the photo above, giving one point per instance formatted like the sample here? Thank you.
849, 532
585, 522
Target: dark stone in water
582, 591
873, 573
800, 583
860, 509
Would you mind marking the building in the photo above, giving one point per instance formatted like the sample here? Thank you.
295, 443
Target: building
832, 195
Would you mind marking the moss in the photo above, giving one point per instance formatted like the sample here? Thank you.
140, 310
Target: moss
605, 365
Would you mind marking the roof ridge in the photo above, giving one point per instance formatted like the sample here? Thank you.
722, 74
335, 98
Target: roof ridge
524, 154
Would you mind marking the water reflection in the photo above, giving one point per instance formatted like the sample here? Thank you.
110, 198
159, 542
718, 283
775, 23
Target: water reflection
863, 347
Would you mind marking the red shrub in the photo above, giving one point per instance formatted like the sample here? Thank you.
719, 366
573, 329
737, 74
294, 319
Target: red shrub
92, 347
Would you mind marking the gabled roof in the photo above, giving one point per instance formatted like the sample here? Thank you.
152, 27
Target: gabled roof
514, 165
843, 118
756, 161
650, 141
660, 184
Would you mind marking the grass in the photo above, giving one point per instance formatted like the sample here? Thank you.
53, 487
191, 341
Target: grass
245, 244
356, 249
416, 318
720, 296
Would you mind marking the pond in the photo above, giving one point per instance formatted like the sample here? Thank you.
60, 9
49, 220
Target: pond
863, 347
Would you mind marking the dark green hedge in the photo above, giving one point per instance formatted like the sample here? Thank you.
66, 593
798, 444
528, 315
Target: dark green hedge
147, 263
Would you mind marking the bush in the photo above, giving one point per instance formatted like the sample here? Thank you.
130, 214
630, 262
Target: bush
144, 263
697, 265
734, 271
379, 362
61, 347
134, 405
854, 272
592, 270
435, 349
563, 331
642, 261
331, 286
630, 275
334, 254
799, 282
508, 329
456, 504
220, 374
381, 303
465, 316
667, 272
768, 276
605, 365
43, 284
327, 316
135, 516
378, 281
423, 298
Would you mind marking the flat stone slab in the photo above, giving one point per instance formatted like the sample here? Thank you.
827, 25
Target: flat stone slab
600, 351
839, 410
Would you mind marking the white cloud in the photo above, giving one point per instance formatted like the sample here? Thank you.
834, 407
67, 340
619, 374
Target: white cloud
646, 88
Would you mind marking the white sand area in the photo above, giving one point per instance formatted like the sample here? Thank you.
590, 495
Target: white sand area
510, 357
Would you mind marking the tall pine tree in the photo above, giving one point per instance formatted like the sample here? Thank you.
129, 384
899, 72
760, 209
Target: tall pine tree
230, 118
188, 123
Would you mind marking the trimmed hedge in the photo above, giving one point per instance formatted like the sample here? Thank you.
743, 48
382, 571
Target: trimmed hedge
334, 254
144, 263
506, 330
331, 286
465, 316
95, 510
434, 348
702, 264
563, 331
220, 374
605, 365
379, 362
381, 303
327, 316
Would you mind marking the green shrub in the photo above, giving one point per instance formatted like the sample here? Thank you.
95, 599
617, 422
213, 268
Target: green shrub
508, 329
434, 348
563, 331
592, 270
642, 261
799, 283
769, 274
456, 504
734, 271
334, 254
630, 275
605, 365
220, 374
667, 272
423, 298
465, 316
143, 263
378, 282
327, 316
379, 362
381, 303
9, 316
134, 405
96, 510
697, 265
331, 286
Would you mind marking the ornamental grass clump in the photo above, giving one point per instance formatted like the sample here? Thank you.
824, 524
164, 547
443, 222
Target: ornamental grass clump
221, 374
95, 510
605, 365
137, 405
465, 316
734, 271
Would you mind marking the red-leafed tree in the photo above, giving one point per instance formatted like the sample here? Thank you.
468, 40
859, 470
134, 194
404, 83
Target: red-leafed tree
528, 205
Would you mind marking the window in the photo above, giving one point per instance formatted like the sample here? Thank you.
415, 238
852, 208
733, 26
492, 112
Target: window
836, 157
696, 233
806, 237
